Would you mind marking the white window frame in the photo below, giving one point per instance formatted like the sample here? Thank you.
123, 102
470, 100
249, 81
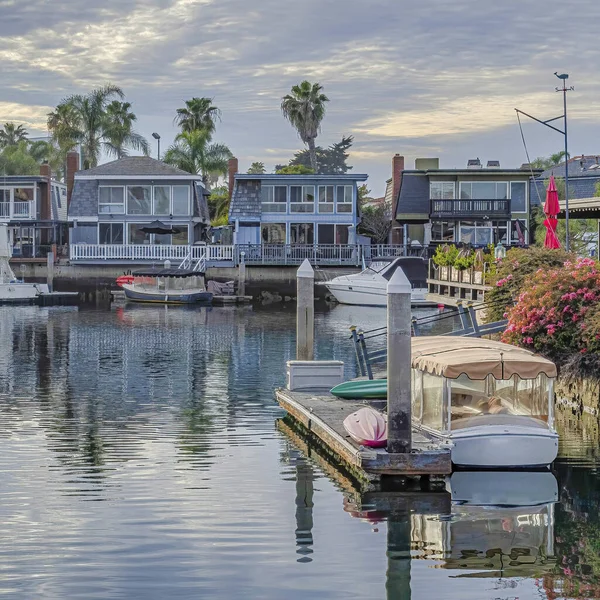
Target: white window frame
335, 225
304, 206
444, 184
326, 207
272, 206
505, 183
123, 204
111, 223
520, 212
170, 187
188, 210
345, 202
142, 185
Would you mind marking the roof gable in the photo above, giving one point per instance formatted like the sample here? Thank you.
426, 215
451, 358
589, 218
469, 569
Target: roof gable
142, 166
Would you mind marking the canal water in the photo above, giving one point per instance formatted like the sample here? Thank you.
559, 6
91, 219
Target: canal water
142, 456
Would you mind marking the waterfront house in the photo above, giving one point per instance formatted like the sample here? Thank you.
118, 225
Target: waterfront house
584, 178
111, 203
34, 208
474, 205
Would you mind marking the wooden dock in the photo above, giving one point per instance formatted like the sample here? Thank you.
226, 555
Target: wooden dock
321, 415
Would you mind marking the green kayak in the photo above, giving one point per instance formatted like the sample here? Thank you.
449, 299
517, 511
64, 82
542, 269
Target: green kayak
369, 388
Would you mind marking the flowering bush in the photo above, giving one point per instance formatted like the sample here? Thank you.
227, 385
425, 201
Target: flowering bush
556, 314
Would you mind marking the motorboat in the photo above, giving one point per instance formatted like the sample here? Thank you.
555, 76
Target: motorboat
367, 427
493, 403
369, 287
165, 286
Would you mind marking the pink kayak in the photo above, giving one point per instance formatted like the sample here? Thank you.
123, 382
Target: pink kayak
367, 427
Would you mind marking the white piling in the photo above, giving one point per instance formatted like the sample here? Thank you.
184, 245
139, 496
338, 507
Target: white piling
242, 275
399, 363
50, 270
305, 312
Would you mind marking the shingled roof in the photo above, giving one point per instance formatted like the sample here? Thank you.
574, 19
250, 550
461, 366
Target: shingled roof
246, 201
135, 165
579, 166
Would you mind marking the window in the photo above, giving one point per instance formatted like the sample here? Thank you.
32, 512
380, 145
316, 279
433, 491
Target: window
442, 231
111, 200
272, 233
478, 233
110, 233
302, 233
181, 200
344, 198
432, 402
484, 190
274, 198
181, 239
341, 234
441, 190
302, 198
162, 200
518, 198
518, 229
333, 234
500, 232
135, 236
139, 200
326, 198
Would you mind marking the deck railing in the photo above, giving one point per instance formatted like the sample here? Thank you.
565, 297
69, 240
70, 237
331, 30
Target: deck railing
16, 210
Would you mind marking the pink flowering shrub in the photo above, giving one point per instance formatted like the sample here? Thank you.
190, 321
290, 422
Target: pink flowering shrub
557, 312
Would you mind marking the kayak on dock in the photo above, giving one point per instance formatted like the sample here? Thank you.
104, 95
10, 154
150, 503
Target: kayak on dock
368, 389
368, 427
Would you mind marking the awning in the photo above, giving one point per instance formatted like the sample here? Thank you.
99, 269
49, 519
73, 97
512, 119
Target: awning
450, 356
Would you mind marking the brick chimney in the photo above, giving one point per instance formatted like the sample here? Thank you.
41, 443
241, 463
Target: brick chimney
72, 167
46, 195
232, 167
397, 168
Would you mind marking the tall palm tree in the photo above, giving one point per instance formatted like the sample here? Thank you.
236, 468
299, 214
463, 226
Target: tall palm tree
118, 130
304, 108
64, 125
11, 134
193, 152
198, 113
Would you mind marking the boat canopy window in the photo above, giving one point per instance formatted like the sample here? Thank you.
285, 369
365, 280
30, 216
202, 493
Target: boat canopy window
433, 414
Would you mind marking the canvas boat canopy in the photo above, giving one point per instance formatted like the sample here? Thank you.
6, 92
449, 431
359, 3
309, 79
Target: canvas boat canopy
451, 357
166, 273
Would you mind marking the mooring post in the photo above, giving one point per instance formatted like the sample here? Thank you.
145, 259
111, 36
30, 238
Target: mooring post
399, 363
242, 275
305, 311
50, 270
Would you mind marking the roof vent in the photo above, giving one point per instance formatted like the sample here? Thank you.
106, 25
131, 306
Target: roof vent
474, 163
493, 164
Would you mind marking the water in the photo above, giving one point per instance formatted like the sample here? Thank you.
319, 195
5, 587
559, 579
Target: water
140, 457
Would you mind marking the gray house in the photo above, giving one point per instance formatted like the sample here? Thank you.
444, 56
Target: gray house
111, 203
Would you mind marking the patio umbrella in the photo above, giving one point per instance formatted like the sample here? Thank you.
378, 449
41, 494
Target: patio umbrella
551, 209
160, 228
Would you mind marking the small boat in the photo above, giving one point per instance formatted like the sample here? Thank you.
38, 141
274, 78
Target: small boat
367, 389
367, 427
369, 287
165, 286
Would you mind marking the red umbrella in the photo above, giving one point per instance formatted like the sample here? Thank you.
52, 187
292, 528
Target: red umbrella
551, 209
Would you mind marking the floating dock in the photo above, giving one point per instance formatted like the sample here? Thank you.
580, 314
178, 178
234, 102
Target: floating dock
321, 415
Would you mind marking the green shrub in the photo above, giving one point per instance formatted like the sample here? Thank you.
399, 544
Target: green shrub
445, 256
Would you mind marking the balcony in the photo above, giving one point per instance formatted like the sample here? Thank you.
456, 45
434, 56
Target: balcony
470, 209
17, 210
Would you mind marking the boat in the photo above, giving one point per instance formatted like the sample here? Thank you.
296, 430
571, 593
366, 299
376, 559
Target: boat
369, 287
367, 427
367, 389
165, 286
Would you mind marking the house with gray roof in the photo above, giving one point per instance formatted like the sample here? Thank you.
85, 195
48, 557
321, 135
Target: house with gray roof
111, 203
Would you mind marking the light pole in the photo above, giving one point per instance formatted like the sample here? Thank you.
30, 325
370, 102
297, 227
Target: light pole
564, 89
157, 138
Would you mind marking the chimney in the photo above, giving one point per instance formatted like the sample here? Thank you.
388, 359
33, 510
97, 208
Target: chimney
72, 167
46, 196
493, 164
474, 163
397, 168
232, 167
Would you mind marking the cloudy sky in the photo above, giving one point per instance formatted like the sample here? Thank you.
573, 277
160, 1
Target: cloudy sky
430, 78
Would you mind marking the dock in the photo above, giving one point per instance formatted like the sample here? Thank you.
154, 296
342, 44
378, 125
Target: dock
321, 415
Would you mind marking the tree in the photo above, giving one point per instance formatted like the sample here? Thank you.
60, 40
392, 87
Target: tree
119, 131
193, 153
547, 163
218, 205
376, 222
294, 170
331, 160
364, 195
11, 134
198, 114
304, 108
16, 159
257, 168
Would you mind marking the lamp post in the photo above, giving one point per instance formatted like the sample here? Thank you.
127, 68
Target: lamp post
564, 89
157, 138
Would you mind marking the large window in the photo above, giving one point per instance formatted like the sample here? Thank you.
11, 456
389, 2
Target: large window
432, 402
135, 236
518, 198
302, 233
441, 190
139, 200
180, 239
111, 200
344, 198
484, 190
482, 233
274, 198
332, 234
302, 198
326, 198
272, 233
162, 200
181, 200
110, 233
442, 231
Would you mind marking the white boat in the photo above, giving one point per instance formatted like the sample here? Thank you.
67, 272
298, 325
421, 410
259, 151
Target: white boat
491, 402
369, 287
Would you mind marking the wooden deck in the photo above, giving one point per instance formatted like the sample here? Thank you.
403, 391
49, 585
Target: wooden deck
322, 416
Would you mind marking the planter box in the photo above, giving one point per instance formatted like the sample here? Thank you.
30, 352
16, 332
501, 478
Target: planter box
466, 276
444, 273
455, 274
478, 277
314, 374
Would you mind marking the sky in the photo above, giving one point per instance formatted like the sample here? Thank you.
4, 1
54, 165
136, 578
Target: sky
423, 79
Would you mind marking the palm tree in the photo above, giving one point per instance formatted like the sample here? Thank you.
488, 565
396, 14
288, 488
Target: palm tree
304, 108
193, 153
11, 134
257, 168
64, 125
199, 113
118, 130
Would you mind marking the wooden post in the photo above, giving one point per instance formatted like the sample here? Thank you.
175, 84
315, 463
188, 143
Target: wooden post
305, 311
399, 363
50, 270
242, 275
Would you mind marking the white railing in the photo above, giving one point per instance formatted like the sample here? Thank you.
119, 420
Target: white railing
143, 252
18, 210
220, 253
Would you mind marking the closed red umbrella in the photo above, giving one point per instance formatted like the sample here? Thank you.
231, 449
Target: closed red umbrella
551, 240
551, 209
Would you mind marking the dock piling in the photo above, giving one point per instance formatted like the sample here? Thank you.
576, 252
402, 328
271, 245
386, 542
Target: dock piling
50, 270
305, 312
399, 364
242, 275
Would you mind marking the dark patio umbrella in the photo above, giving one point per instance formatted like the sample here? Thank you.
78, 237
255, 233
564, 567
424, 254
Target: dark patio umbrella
160, 228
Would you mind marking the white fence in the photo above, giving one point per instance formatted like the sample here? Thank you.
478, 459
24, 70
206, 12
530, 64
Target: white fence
20, 210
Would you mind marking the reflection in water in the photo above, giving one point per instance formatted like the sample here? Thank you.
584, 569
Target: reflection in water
304, 510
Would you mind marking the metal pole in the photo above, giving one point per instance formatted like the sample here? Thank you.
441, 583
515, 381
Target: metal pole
567, 244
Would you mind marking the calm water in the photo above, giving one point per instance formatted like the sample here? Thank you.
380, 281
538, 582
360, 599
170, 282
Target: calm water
141, 457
